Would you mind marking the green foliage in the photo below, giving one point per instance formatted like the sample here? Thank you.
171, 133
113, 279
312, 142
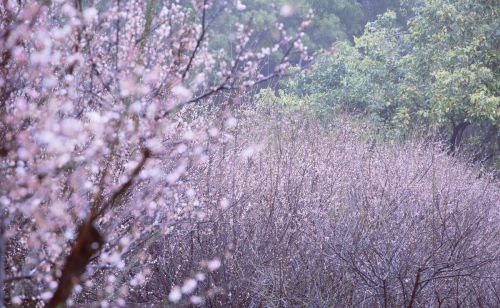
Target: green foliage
438, 74
335, 20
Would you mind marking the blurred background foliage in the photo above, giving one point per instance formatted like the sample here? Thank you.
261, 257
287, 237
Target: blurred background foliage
334, 21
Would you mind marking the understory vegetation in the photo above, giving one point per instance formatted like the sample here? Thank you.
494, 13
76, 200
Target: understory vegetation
310, 216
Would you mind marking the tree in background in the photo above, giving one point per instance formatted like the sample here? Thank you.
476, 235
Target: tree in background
438, 74
453, 61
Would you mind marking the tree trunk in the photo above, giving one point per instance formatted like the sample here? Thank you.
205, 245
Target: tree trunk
456, 137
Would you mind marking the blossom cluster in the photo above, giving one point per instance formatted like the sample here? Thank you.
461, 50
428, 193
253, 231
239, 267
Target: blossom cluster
98, 129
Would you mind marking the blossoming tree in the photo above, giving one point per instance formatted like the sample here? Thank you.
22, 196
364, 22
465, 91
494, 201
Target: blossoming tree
96, 134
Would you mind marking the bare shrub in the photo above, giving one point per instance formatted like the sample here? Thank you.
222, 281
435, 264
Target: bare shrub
306, 216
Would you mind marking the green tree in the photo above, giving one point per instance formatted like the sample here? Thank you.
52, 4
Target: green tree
437, 73
454, 59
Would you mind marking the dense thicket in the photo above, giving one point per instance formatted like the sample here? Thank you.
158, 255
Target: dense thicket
300, 215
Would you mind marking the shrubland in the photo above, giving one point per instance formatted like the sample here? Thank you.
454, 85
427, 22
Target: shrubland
306, 215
